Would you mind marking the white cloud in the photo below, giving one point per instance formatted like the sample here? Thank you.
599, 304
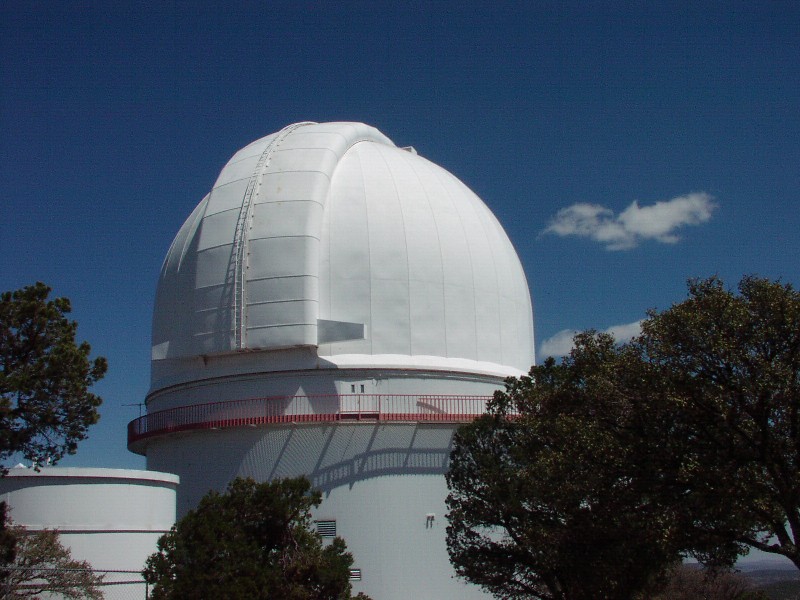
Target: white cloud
558, 345
624, 333
561, 343
658, 221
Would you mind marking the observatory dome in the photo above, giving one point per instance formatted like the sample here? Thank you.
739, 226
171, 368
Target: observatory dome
328, 239
335, 308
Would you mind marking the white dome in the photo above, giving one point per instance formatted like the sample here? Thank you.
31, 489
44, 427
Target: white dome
329, 237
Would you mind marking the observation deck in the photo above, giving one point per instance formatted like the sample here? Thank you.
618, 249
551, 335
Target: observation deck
254, 412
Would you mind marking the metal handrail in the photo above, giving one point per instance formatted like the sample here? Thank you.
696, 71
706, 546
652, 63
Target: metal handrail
308, 409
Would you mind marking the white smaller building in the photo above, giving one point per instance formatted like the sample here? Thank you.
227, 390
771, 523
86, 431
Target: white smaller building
111, 518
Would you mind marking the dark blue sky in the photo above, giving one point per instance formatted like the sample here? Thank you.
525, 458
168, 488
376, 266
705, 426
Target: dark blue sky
115, 119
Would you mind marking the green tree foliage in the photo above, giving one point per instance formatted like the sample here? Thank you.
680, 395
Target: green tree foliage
45, 405
7, 538
43, 565
686, 582
253, 542
733, 362
590, 477
8, 544
567, 489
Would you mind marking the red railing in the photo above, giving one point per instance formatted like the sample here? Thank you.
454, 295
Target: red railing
307, 409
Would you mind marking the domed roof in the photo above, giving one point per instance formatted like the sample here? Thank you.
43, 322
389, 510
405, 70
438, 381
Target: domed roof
329, 236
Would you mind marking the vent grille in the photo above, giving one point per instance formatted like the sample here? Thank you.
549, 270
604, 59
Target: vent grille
355, 574
326, 528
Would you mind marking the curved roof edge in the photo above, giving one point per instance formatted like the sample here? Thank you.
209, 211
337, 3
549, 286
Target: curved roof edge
130, 475
420, 363
201, 370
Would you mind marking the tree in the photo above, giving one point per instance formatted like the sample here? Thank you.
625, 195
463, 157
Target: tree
733, 362
252, 542
43, 565
45, 405
8, 544
589, 477
575, 485
685, 582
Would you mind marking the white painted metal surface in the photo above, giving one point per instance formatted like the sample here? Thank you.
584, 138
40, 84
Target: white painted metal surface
111, 518
331, 268
332, 222
379, 483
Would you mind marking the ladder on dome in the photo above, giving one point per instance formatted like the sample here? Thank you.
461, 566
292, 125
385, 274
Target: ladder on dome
243, 224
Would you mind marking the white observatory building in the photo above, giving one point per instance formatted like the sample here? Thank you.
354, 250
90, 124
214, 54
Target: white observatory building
335, 307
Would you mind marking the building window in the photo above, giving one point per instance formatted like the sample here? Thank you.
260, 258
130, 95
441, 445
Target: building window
355, 574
